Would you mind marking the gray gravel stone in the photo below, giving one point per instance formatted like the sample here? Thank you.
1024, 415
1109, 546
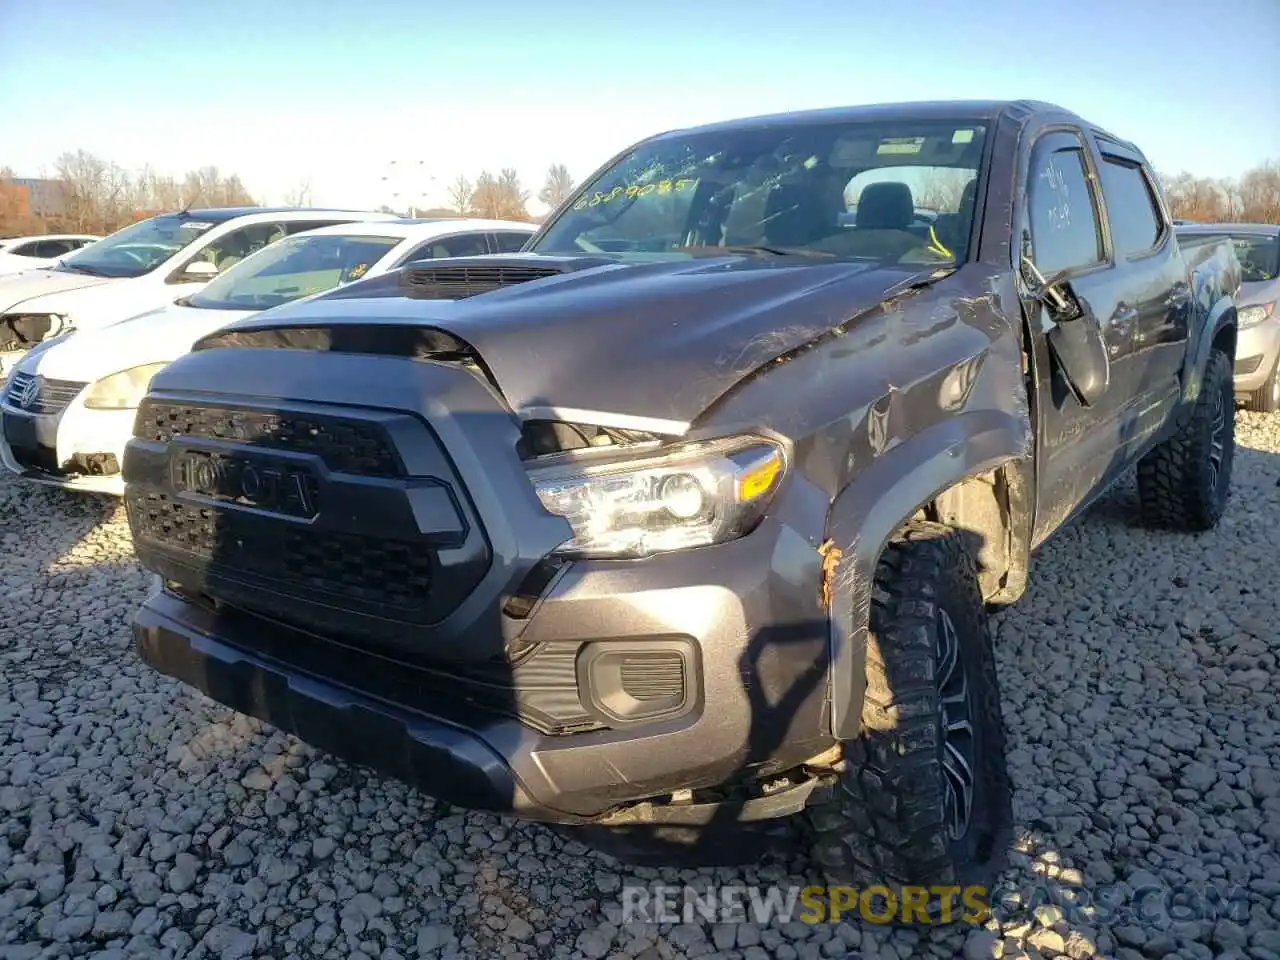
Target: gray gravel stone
981, 945
229, 943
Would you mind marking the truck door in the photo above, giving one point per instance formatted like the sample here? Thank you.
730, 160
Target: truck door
1061, 226
1146, 255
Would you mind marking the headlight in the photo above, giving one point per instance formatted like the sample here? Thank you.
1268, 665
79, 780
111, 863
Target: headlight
1252, 316
690, 496
123, 390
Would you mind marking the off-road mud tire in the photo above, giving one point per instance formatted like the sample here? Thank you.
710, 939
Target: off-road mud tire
1184, 483
885, 820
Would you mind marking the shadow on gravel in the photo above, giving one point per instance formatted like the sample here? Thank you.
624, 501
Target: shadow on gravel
47, 521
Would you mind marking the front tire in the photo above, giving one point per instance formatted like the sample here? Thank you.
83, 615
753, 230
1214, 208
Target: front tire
1184, 483
924, 798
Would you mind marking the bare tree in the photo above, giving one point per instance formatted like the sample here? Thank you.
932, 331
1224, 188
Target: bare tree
98, 196
81, 176
501, 197
299, 194
1195, 198
1260, 193
461, 195
514, 195
485, 199
942, 190
558, 186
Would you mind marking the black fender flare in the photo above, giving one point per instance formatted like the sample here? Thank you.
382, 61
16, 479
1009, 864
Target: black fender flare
874, 506
1221, 315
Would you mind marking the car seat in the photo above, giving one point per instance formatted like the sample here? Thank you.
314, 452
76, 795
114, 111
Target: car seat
885, 213
235, 247
952, 229
795, 215
885, 206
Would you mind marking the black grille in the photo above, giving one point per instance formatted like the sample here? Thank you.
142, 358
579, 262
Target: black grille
345, 566
455, 283
349, 446
1248, 365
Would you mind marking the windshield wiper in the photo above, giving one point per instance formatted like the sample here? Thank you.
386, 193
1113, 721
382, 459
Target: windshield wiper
755, 249
76, 268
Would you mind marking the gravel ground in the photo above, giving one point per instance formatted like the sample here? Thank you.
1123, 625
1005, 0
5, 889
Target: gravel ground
138, 818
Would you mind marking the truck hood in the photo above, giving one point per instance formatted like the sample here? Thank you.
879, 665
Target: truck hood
17, 290
159, 336
647, 346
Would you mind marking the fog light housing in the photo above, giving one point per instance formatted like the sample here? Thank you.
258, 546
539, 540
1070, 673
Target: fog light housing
624, 682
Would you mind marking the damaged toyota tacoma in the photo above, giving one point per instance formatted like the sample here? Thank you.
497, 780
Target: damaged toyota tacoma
686, 518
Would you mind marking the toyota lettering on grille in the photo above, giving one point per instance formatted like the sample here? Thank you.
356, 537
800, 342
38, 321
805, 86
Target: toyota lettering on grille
276, 487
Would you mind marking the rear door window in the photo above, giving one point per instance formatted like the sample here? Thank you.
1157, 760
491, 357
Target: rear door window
52, 248
461, 245
510, 242
1132, 212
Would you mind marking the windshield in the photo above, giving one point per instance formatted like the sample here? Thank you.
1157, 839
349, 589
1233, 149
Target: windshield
893, 192
1259, 257
137, 249
296, 267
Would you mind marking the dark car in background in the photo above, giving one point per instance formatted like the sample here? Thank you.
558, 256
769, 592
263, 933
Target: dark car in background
1257, 247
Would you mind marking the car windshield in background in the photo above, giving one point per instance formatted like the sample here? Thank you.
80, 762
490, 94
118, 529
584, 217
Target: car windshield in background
292, 268
1259, 257
138, 249
892, 192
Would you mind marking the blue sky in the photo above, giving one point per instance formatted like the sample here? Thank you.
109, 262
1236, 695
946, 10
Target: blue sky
330, 92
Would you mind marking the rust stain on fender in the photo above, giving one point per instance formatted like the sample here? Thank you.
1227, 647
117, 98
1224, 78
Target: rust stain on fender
831, 555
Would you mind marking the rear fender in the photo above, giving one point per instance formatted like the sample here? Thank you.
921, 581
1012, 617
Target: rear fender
872, 508
1222, 316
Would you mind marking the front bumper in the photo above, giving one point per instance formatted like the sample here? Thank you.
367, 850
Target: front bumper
375, 580
64, 449
1257, 352
759, 706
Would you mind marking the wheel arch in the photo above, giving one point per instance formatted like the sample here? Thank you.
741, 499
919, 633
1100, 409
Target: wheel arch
1218, 331
972, 472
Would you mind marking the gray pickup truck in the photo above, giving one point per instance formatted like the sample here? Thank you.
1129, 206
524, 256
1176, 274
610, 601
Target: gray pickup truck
687, 518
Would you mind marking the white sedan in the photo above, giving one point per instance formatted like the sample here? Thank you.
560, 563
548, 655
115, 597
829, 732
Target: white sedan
28, 253
141, 267
69, 406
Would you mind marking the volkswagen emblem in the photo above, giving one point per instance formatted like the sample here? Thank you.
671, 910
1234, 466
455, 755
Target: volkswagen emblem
28, 394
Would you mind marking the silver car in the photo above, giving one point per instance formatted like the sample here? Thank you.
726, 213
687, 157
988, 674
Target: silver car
1257, 247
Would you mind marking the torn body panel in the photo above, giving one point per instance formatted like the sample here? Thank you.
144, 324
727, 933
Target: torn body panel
915, 397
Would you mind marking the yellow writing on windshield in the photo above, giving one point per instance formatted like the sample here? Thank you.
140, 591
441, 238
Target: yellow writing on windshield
636, 190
